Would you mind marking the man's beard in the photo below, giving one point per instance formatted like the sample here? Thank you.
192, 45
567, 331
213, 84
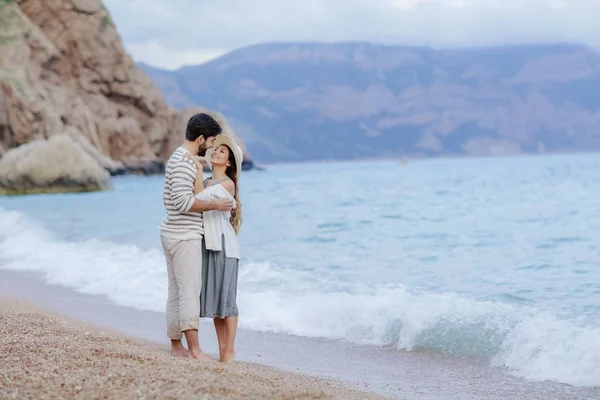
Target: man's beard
202, 149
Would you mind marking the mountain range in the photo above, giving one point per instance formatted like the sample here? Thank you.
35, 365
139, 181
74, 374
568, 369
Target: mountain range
324, 101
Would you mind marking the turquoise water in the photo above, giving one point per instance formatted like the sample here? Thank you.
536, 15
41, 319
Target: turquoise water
494, 258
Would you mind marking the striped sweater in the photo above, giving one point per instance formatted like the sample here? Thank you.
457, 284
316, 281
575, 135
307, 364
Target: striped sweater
178, 198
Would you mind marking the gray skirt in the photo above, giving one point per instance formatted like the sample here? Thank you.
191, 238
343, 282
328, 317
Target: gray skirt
218, 298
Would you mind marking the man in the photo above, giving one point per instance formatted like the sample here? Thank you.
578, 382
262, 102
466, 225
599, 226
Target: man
181, 235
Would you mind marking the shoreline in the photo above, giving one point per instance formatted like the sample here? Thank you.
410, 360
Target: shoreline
387, 372
46, 354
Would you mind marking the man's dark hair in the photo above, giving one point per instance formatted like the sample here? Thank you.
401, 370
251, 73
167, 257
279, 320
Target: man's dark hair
201, 124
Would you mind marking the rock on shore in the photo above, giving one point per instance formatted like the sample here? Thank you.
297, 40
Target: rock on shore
54, 165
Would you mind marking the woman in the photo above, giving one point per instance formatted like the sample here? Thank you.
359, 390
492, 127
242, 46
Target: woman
220, 253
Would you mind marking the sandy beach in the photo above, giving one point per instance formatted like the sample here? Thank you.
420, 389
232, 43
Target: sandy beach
46, 355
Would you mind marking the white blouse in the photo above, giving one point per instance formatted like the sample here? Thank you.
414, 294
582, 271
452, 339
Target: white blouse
216, 223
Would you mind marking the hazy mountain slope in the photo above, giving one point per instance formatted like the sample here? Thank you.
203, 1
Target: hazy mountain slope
339, 101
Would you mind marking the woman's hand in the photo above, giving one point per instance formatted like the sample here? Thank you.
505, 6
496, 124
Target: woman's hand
198, 182
198, 161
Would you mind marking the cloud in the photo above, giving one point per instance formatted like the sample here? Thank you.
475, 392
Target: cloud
170, 33
157, 53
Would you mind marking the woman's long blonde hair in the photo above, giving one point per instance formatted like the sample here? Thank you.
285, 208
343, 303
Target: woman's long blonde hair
236, 213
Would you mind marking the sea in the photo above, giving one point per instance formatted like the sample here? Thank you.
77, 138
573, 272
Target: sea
491, 259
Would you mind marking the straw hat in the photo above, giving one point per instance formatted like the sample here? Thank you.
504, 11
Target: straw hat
228, 141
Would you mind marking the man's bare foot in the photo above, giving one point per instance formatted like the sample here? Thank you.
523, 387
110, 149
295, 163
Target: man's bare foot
180, 351
227, 357
199, 355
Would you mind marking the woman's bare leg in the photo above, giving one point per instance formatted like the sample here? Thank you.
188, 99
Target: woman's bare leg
221, 330
231, 324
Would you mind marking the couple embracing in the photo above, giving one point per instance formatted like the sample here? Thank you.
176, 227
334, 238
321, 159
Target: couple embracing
199, 238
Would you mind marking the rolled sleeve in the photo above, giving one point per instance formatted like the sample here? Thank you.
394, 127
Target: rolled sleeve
182, 185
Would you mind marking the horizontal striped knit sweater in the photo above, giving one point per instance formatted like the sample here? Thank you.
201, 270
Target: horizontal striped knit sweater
178, 197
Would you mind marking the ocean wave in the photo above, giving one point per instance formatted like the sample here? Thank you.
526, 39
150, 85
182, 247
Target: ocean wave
532, 344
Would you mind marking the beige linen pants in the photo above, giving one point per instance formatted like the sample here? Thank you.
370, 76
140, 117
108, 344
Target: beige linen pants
184, 268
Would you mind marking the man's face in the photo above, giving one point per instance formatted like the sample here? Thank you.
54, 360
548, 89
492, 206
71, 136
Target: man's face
205, 144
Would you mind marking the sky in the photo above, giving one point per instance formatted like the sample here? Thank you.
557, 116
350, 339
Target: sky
173, 33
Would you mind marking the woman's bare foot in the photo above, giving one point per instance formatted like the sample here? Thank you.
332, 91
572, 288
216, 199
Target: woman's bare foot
227, 356
222, 351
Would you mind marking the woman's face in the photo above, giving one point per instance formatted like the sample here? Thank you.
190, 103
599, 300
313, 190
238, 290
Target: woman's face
220, 157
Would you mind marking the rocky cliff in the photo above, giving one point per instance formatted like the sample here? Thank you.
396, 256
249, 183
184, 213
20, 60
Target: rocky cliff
299, 101
63, 69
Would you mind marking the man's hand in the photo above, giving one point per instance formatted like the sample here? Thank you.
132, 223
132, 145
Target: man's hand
224, 205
